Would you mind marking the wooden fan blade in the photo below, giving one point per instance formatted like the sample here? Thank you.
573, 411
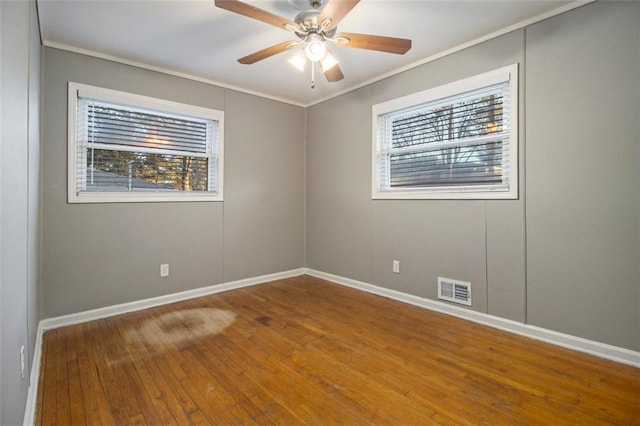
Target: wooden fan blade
249, 11
372, 42
265, 53
336, 10
334, 74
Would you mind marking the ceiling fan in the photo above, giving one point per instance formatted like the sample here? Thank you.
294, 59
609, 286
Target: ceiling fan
315, 26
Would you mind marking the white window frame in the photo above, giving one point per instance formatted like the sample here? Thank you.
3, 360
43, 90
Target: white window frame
508, 73
148, 103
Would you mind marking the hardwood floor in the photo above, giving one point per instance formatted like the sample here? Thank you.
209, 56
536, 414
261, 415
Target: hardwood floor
303, 350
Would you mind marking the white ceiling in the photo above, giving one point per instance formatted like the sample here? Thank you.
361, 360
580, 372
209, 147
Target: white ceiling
202, 41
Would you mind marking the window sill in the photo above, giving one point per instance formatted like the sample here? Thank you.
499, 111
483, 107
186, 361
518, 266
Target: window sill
115, 197
444, 195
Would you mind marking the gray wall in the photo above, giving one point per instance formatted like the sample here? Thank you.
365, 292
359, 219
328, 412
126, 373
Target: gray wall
35, 194
97, 255
564, 255
349, 234
583, 220
19, 201
264, 187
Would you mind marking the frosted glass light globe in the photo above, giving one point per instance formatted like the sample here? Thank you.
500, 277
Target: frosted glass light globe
315, 50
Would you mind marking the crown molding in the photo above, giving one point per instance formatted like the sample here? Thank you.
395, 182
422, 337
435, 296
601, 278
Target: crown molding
168, 71
143, 65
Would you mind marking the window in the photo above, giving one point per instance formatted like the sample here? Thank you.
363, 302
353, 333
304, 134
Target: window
131, 148
454, 141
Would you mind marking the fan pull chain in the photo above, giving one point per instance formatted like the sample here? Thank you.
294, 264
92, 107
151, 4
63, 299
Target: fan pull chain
313, 75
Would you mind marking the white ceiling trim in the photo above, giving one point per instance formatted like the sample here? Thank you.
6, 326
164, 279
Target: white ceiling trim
498, 33
163, 70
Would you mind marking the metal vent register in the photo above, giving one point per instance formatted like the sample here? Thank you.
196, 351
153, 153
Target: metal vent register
454, 291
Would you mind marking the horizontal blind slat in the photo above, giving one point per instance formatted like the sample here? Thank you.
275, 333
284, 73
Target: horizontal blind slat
143, 133
120, 126
131, 122
116, 122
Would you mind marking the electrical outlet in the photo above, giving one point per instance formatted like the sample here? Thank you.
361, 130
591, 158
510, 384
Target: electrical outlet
396, 266
164, 270
22, 362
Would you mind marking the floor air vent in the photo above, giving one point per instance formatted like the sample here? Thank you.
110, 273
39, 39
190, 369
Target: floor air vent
454, 291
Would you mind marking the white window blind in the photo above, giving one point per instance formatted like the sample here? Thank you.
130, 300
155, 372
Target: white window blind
458, 145
132, 151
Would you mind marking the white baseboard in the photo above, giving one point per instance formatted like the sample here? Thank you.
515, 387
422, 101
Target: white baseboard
139, 305
123, 308
602, 350
34, 377
613, 353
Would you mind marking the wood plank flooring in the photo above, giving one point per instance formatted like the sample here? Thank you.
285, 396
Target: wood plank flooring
304, 351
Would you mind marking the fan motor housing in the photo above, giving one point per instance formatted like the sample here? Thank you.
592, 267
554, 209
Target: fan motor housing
307, 20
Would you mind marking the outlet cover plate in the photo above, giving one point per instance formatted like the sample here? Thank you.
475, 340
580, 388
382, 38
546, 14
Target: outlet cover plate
164, 270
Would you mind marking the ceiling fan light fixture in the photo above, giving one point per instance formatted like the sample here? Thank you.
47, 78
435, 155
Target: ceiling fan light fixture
329, 61
315, 48
299, 60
